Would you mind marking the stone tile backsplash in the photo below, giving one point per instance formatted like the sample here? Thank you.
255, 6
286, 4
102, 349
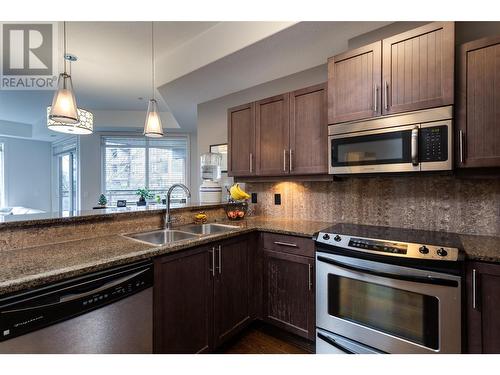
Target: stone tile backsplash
442, 203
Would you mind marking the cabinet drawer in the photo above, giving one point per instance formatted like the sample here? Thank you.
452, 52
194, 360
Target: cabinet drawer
288, 244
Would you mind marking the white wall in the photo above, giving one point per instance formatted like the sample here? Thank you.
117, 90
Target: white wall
90, 170
28, 173
212, 115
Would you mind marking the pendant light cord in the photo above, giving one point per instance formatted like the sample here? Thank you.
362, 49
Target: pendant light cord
64, 45
153, 60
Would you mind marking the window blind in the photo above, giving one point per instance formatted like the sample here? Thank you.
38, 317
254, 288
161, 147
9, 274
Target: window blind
131, 163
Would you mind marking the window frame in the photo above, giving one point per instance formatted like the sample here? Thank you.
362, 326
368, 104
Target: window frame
185, 136
60, 147
3, 184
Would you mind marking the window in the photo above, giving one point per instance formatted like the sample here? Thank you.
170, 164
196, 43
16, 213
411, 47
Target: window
65, 155
2, 181
130, 163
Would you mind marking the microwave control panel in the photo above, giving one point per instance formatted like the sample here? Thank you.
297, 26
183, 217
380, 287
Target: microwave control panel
433, 143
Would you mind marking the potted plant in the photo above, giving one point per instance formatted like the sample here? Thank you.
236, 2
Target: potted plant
102, 201
143, 195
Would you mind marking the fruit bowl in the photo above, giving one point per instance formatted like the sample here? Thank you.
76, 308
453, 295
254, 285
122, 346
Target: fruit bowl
236, 210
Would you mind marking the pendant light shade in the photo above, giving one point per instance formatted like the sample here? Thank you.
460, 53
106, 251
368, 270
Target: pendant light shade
85, 125
152, 126
64, 107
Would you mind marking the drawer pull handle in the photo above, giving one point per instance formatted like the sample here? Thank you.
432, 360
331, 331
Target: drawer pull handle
289, 244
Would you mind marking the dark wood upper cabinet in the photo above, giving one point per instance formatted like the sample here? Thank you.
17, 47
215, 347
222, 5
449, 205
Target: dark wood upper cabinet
354, 84
231, 288
183, 316
418, 68
288, 291
272, 135
483, 307
290, 135
241, 140
308, 131
478, 110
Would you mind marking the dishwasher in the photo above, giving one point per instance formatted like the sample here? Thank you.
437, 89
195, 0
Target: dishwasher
110, 311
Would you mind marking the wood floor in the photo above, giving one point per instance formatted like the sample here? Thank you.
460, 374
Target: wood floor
256, 340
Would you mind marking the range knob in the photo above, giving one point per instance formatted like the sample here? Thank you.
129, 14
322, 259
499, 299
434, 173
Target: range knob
442, 252
337, 238
423, 250
326, 236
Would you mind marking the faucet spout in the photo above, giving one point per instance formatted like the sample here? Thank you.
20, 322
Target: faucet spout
168, 217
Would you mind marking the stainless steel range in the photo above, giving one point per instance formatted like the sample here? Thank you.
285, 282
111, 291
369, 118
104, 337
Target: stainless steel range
388, 290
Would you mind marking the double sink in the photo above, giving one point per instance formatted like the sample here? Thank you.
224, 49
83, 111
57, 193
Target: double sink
167, 236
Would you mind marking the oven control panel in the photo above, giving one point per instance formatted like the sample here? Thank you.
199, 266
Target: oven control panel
389, 248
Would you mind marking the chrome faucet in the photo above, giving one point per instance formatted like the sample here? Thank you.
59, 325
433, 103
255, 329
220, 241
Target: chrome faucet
168, 218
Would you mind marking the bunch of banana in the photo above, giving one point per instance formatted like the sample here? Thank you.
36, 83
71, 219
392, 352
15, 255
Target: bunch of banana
237, 193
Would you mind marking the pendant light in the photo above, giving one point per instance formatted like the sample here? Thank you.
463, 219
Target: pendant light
85, 124
64, 109
152, 126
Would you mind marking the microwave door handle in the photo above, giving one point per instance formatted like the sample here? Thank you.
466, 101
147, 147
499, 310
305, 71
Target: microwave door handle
334, 343
412, 278
414, 146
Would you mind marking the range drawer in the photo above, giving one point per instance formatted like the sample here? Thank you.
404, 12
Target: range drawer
288, 244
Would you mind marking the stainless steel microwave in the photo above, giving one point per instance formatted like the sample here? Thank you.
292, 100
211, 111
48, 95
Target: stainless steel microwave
410, 142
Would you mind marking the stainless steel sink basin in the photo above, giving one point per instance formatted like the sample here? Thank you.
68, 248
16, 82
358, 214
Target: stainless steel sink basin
207, 228
162, 237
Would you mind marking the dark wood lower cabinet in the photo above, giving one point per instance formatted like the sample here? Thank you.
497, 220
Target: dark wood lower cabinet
289, 292
183, 302
205, 296
201, 296
231, 289
483, 307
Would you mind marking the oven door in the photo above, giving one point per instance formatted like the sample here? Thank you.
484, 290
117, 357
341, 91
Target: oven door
391, 308
392, 149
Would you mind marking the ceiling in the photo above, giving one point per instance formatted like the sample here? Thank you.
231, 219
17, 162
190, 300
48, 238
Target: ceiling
195, 62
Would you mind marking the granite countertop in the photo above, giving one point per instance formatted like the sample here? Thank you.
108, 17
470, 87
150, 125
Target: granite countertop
49, 218
35, 266
481, 248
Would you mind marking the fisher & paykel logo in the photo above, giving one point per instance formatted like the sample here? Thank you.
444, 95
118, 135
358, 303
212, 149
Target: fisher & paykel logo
28, 56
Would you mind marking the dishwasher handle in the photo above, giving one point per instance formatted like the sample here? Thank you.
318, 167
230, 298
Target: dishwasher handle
74, 296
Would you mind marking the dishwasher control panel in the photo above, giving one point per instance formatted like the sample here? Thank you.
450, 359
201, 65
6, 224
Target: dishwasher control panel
25, 312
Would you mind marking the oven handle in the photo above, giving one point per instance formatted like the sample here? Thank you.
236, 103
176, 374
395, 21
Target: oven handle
334, 343
416, 279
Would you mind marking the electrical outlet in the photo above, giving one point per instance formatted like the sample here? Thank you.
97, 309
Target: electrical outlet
254, 197
277, 199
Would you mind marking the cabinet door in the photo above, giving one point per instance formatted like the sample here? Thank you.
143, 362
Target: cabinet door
183, 303
241, 140
272, 135
478, 138
231, 289
308, 152
418, 68
483, 307
354, 79
289, 292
